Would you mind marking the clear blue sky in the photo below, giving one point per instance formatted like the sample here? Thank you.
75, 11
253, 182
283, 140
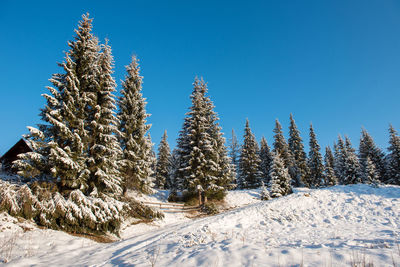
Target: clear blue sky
333, 63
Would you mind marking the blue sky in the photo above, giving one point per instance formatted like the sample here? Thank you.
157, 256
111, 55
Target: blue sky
333, 63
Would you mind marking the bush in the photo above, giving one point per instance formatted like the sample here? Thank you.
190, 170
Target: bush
209, 208
74, 212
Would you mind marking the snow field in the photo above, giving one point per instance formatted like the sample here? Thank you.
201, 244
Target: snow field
335, 226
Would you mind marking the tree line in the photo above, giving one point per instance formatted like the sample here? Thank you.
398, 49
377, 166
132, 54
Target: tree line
92, 141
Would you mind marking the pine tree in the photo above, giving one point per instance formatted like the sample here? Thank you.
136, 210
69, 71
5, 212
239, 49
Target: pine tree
393, 158
173, 182
370, 173
351, 168
368, 149
204, 164
163, 164
266, 159
61, 144
136, 148
103, 146
296, 147
280, 178
264, 195
315, 161
282, 148
234, 151
249, 162
339, 163
330, 178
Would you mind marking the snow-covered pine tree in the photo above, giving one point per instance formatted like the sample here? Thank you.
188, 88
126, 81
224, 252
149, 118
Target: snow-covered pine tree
315, 161
249, 161
136, 148
351, 168
330, 178
163, 166
368, 149
280, 178
103, 147
281, 147
369, 172
339, 159
266, 159
296, 147
234, 151
264, 195
203, 161
61, 144
173, 183
393, 158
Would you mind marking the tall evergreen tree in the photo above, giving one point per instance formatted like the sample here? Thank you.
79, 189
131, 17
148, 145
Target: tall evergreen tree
234, 151
282, 148
330, 178
296, 147
369, 172
61, 145
339, 164
351, 168
136, 148
315, 161
103, 146
163, 164
280, 178
393, 158
368, 149
204, 163
249, 162
266, 159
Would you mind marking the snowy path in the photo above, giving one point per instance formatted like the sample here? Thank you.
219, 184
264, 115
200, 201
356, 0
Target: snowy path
315, 227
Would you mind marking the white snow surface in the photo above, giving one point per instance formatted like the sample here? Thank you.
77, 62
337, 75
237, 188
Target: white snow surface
334, 226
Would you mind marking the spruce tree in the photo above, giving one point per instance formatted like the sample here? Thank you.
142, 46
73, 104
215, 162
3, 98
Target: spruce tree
249, 162
393, 158
296, 147
101, 123
204, 166
351, 166
266, 159
330, 178
282, 148
163, 164
280, 178
234, 151
368, 149
264, 195
61, 145
315, 161
339, 163
136, 148
369, 172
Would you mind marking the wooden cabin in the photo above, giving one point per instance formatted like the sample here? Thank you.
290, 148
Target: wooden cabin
22, 146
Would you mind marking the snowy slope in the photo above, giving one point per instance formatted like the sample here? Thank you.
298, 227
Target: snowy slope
324, 227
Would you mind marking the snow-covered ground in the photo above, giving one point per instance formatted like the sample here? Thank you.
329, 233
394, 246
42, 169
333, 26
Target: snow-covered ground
326, 227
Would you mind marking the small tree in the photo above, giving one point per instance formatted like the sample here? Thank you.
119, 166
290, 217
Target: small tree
280, 178
163, 166
234, 151
264, 192
249, 162
370, 174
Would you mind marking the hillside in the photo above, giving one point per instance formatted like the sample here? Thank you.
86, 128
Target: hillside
323, 227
